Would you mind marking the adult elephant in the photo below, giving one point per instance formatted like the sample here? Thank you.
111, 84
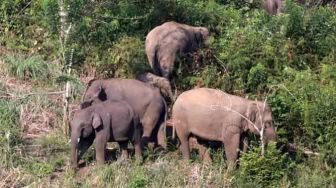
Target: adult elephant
273, 7
145, 100
165, 41
213, 115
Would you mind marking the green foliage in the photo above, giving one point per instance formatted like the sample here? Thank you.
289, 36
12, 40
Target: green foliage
261, 171
305, 110
288, 58
314, 174
257, 78
31, 68
39, 168
9, 133
139, 178
125, 59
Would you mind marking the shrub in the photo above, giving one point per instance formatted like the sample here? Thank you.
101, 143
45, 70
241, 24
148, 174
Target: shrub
31, 68
126, 58
259, 171
313, 173
305, 111
257, 78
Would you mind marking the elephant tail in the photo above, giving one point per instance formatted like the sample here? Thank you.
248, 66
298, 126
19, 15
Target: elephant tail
136, 128
153, 59
165, 116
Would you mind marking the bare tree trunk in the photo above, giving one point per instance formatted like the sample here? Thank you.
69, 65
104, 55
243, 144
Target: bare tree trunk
262, 141
63, 13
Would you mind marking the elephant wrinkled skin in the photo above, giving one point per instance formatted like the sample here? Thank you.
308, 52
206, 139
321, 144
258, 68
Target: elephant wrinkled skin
145, 100
166, 41
106, 121
213, 115
273, 7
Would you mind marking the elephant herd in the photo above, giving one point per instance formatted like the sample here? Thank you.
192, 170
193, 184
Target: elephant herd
129, 110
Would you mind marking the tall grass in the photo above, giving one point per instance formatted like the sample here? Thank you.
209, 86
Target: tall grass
30, 68
9, 132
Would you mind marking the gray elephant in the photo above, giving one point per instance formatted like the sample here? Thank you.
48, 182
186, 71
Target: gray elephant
213, 115
157, 81
273, 7
166, 41
145, 100
108, 121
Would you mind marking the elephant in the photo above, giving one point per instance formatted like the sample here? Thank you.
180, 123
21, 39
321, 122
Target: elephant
166, 41
157, 81
108, 121
214, 115
145, 100
273, 7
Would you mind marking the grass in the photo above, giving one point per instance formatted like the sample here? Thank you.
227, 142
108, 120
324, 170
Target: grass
43, 161
9, 132
30, 68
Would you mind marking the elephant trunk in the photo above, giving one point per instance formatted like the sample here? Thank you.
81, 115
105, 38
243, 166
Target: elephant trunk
74, 150
270, 135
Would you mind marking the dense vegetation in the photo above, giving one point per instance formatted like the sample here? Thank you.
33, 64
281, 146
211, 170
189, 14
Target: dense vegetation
288, 59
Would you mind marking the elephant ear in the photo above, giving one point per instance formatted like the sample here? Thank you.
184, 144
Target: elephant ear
198, 38
96, 121
252, 111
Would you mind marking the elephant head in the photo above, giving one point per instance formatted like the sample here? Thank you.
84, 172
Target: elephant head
94, 93
259, 115
201, 35
83, 125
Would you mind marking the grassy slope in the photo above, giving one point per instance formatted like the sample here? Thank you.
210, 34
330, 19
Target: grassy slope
42, 156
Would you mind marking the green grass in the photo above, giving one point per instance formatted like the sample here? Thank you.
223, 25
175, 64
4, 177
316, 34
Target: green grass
9, 132
30, 68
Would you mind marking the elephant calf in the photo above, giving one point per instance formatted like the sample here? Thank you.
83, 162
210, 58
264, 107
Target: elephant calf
213, 115
103, 122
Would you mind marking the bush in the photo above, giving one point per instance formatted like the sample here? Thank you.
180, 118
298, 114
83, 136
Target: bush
259, 171
125, 59
305, 111
313, 173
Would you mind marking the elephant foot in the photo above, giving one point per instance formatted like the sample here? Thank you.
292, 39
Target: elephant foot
144, 142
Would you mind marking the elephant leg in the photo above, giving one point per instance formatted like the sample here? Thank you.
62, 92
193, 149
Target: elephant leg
202, 150
231, 145
137, 149
148, 122
184, 139
100, 151
123, 147
167, 65
161, 136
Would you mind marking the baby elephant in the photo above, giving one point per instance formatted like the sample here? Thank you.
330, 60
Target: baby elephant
213, 115
106, 121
